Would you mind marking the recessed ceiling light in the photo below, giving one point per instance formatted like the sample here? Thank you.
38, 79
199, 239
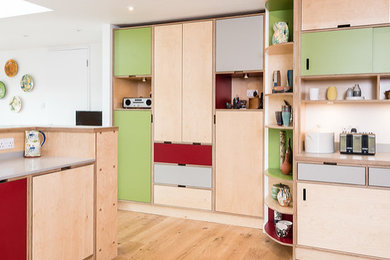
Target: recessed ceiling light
11, 8
131, 8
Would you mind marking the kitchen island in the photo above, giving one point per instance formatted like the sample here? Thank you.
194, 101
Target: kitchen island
62, 205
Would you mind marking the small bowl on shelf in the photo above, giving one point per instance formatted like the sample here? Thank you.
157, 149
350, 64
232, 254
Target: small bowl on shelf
281, 230
287, 223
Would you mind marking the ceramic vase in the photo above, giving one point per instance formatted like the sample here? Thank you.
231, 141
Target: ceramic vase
275, 190
286, 166
282, 146
284, 197
281, 33
331, 93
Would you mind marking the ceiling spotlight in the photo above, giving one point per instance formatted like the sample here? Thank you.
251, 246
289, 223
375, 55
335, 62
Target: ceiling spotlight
130, 8
246, 76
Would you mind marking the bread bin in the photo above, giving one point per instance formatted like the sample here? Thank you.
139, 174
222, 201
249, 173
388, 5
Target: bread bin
319, 142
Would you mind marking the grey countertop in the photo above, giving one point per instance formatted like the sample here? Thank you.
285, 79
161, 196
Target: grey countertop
20, 166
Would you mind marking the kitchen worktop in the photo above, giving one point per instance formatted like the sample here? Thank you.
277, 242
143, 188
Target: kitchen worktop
52, 128
380, 159
17, 166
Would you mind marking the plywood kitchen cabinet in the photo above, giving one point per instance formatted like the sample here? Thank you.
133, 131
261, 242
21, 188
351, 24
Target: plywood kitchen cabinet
344, 218
13, 216
336, 52
133, 51
381, 54
239, 162
106, 194
63, 219
333, 13
134, 155
183, 78
240, 44
197, 82
167, 94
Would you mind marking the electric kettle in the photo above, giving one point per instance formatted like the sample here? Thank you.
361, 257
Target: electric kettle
32, 147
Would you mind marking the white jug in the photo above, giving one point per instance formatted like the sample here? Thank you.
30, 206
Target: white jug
32, 147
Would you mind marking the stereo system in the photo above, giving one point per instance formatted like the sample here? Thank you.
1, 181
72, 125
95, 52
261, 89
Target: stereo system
137, 103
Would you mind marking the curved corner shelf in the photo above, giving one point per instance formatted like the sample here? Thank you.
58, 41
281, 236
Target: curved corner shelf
280, 127
281, 48
269, 230
277, 174
274, 205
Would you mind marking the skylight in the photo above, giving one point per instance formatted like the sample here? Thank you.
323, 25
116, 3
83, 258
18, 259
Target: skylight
11, 8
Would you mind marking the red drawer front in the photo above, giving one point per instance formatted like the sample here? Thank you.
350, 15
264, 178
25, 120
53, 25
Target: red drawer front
183, 154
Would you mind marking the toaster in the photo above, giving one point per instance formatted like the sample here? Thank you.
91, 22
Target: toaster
357, 143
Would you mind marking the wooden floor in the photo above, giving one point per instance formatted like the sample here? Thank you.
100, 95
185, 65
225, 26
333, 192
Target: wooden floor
145, 236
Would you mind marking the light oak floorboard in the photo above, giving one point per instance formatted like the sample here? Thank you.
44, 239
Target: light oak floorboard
147, 236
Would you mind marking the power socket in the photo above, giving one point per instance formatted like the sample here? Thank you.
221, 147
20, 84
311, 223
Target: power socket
250, 92
7, 143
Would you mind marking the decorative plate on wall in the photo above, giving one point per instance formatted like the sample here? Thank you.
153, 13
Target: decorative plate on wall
27, 83
15, 104
2, 90
11, 68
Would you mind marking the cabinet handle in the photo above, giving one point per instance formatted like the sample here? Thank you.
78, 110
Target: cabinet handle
304, 194
307, 64
343, 25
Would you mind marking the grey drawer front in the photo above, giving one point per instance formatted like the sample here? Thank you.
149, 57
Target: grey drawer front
239, 44
379, 177
182, 175
332, 173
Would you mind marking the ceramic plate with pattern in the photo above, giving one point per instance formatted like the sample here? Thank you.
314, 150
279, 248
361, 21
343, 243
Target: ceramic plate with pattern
2, 90
15, 104
11, 68
27, 83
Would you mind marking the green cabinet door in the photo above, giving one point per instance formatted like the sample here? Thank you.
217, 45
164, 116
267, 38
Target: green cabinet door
134, 155
381, 50
336, 52
133, 51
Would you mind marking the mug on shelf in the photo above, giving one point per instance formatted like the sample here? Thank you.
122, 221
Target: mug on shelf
314, 93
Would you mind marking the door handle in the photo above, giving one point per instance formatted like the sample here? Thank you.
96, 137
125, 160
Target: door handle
307, 64
304, 194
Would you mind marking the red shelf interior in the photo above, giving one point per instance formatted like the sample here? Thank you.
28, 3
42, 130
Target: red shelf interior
223, 91
269, 228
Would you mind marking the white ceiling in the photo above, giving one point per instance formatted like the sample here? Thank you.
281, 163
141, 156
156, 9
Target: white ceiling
79, 21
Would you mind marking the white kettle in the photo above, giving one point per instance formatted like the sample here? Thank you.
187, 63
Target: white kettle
32, 146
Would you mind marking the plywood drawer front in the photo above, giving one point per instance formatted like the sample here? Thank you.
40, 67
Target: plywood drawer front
183, 154
182, 175
332, 173
379, 177
182, 197
309, 254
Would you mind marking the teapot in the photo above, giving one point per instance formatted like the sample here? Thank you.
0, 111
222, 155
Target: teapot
33, 144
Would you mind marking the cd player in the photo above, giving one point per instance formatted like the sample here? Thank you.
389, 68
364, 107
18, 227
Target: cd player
137, 102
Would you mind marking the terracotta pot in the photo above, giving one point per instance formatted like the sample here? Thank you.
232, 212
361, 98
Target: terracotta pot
286, 166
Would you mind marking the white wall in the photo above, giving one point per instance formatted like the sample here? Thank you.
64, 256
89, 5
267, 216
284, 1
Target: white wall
364, 117
53, 80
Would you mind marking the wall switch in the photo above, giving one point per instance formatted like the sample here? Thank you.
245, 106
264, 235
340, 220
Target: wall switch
249, 93
7, 143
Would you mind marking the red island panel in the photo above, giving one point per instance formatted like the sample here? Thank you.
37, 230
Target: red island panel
183, 154
13, 219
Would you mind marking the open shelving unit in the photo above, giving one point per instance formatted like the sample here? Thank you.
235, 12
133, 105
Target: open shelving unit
277, 57
229, 85
135, 86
